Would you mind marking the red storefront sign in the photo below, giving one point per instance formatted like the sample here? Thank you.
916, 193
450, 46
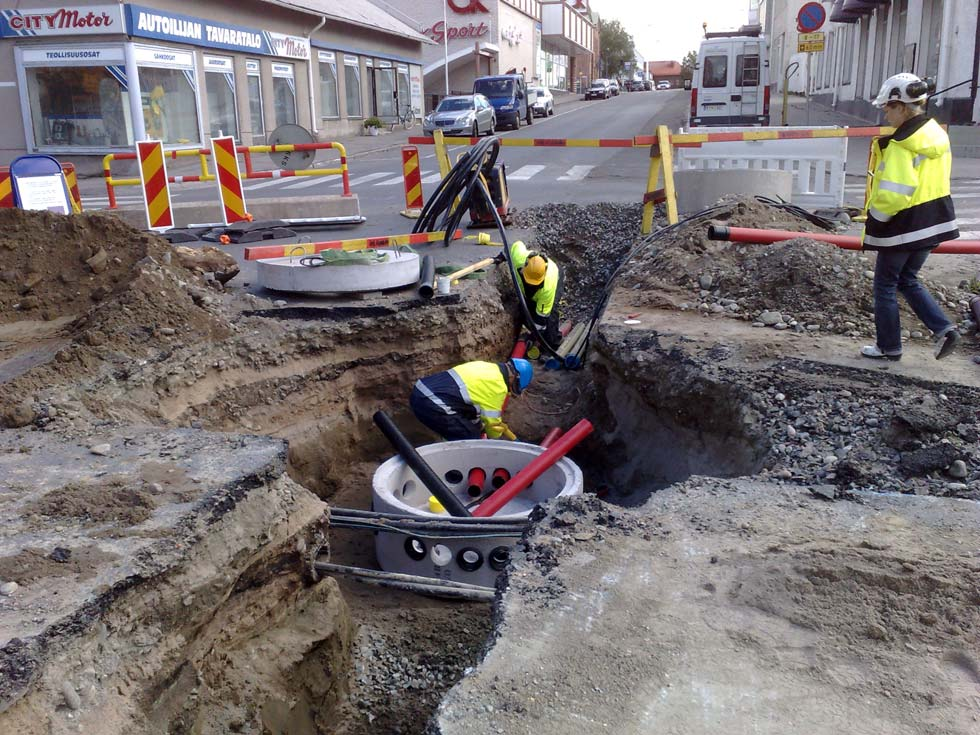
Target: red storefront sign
439, 32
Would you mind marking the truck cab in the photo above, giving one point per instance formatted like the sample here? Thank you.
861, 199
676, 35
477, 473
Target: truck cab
508, 95
731, 79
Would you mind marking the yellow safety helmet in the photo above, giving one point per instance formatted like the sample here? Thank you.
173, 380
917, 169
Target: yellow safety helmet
534, 269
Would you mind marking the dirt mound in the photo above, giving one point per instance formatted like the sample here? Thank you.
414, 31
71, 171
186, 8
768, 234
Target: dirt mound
113, 500
131, 300
802, 283
30, 565
52, 265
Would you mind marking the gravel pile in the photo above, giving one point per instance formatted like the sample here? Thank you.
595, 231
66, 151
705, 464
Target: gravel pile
589, 242
876, 433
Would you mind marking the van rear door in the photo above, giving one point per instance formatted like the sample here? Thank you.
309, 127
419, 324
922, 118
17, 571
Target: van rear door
747, 92
716, 77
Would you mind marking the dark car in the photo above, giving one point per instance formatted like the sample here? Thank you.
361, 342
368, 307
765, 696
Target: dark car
598, 90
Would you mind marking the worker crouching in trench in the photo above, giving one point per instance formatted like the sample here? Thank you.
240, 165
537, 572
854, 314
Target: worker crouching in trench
542, 284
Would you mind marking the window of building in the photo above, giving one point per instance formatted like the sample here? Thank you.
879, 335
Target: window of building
79, 106
847, 69
747, 70
384, 89
168, 87
715, 71
284, 93
352, 86
329, 97
404, 89
219, 82
253, 70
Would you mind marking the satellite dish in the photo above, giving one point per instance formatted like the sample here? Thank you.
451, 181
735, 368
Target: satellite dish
290, 134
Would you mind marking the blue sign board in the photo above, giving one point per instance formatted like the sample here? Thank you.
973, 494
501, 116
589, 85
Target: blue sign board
811, 17
147, 22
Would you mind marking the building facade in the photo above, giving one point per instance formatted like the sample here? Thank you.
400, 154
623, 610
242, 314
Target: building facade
473, 38
866, 43
95, 78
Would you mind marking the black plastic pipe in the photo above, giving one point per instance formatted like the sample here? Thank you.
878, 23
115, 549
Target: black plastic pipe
427, 278
419, 466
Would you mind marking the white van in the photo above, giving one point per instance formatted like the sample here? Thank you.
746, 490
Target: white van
731, 79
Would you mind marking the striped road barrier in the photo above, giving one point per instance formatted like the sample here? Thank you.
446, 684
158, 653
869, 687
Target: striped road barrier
229, 180
153, 181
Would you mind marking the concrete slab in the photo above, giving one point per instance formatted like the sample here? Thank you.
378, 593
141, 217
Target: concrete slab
699, 189
735, 607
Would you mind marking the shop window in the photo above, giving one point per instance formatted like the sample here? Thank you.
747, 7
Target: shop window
255, 99
284, 96
352, 86
169, 105
79, 106
404, 92
222, 108
715, 71
329, 99
384, 91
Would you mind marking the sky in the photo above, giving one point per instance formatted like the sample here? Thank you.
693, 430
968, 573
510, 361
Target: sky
666, 30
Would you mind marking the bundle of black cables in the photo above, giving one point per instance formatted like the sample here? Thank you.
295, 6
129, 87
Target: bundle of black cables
466, 180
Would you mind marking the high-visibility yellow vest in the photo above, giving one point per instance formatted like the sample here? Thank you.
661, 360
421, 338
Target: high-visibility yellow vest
483, 386
910, 207
544, 297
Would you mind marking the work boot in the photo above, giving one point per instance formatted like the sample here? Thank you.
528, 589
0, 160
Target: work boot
872, 352
946, 342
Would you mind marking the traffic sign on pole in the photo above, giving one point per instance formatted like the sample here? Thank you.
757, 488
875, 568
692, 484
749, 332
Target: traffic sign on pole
811, 17
810, 42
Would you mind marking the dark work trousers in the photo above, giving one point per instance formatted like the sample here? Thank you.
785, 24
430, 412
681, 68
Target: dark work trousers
548, 326
898, 271
443, 419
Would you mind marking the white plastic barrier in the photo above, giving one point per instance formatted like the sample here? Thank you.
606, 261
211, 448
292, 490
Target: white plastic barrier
818, 164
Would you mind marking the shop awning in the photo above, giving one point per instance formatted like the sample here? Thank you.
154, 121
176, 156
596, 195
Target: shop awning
862, 7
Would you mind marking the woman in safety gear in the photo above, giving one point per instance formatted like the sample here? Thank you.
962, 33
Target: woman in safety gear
542, 283
467, 401
910, 212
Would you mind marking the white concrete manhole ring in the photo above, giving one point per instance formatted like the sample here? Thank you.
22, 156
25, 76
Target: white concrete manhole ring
396, 489
289, 274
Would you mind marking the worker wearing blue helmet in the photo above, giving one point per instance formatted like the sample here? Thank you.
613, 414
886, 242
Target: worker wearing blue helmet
467, 401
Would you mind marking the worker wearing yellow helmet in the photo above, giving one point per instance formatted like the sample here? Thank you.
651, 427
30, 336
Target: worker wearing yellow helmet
541, 283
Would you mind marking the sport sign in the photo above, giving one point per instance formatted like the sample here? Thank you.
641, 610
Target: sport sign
811, 18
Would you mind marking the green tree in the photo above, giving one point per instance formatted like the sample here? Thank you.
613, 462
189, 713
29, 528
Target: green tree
688, 64
617, 47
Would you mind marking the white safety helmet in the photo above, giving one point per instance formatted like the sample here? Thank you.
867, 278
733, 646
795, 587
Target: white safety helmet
904, 87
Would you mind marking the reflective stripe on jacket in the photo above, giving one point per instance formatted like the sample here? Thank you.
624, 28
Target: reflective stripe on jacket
472, 389
543, 296
910, 206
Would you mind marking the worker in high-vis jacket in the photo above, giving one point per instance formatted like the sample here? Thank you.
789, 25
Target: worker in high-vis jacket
467, 401
541, 283
910, 211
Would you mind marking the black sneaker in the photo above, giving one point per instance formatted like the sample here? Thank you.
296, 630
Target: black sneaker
946, 343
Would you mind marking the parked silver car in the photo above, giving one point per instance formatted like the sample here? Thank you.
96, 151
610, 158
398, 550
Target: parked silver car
544, 101
470, 114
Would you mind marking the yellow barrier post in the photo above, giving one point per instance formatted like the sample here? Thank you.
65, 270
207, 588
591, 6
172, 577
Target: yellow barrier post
667, 160
442, 155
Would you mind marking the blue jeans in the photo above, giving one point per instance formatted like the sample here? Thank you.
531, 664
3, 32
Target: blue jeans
898, 271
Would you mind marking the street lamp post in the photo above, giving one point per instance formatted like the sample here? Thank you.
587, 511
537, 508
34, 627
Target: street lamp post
445, 44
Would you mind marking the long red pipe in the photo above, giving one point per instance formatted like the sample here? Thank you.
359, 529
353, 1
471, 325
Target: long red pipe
845, 242
551, 437
534, 470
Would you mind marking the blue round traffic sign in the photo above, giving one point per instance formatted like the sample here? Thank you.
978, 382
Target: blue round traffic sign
810, 18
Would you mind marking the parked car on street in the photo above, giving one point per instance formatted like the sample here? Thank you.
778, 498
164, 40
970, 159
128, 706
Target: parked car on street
470, 114
663, 85
598, 90
648, 85
508, 96
614, 87
544, 102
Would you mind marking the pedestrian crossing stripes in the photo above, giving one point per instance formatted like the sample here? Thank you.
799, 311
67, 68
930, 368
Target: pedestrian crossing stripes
525, 172
576, 173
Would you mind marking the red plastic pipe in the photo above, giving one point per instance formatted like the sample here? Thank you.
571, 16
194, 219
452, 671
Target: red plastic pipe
551, 437
520, 348
534, 470
845, 242
500, 478
475, 481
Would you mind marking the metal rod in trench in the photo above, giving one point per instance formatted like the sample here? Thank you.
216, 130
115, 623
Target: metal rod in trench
410, 582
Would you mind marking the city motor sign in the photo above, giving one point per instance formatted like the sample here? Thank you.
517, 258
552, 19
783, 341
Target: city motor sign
152, 23
64, 20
